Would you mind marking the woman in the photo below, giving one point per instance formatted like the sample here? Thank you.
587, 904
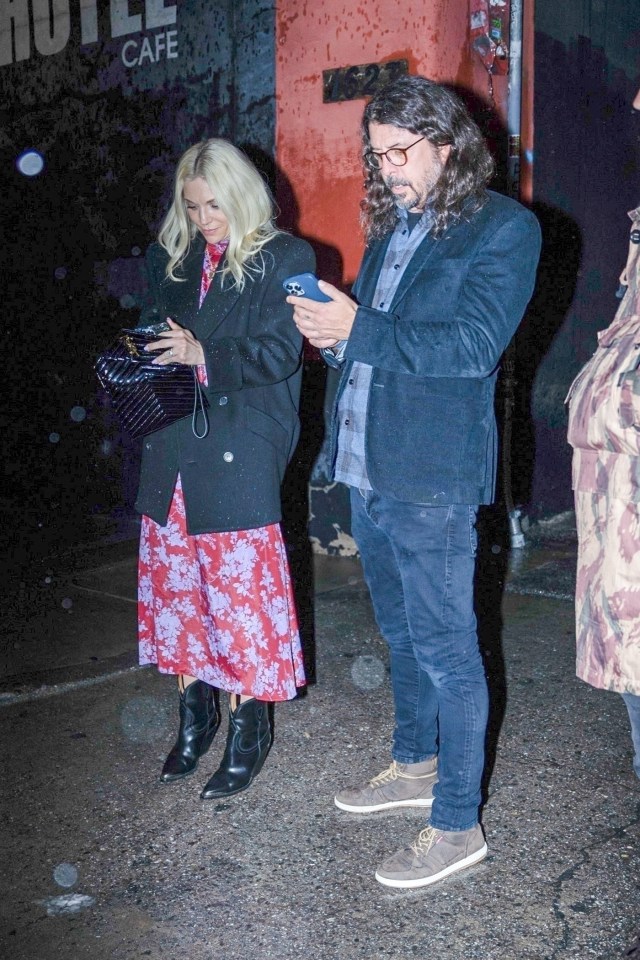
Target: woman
604, 430
215, 599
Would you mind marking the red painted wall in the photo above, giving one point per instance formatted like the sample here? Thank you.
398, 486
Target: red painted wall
318, 144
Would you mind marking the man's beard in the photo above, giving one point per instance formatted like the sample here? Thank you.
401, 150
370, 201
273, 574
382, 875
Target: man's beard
412, 198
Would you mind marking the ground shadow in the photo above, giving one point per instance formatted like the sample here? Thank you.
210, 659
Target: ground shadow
313, 417
491, 570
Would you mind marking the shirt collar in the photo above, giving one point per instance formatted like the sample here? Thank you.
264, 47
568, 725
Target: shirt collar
426, 220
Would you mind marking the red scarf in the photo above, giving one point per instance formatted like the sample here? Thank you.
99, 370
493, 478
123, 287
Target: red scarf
213, 254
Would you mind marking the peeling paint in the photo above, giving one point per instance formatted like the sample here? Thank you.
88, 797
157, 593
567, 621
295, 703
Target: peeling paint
343, 545
310, 41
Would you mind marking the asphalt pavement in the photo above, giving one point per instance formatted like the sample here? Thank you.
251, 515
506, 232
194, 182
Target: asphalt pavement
101, 860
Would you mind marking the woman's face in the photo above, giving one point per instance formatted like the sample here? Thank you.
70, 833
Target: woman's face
203, 210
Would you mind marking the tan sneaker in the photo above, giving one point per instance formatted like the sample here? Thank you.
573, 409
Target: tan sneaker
402, 785
434, 855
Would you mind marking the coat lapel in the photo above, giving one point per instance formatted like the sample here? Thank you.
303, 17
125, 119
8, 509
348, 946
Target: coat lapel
192, 271
205, 320
216, 305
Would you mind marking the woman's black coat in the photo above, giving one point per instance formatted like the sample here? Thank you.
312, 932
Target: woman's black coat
231, 479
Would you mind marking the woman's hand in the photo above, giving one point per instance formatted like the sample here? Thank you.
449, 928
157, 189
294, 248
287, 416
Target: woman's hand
178, 345
324, 324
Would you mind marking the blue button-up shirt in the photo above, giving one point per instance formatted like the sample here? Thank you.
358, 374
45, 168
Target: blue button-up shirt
352, 408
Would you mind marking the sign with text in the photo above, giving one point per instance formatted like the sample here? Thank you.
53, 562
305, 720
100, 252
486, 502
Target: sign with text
353, 83
43, 27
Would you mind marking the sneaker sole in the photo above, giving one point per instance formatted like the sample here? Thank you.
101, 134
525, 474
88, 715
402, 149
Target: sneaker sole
425, 881
382, 806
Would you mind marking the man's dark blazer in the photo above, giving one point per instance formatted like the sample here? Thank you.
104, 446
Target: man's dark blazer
430, 429
231, 479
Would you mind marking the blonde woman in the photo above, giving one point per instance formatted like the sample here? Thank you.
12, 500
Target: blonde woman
215, 602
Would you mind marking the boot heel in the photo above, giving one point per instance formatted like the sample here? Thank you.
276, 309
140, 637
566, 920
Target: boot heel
199, 720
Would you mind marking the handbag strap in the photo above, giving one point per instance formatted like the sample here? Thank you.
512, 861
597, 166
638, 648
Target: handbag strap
198, 405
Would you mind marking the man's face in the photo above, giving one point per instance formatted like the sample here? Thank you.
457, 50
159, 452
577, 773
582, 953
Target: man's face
412, 183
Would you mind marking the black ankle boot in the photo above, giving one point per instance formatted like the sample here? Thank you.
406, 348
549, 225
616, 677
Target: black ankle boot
248, 742
199, 720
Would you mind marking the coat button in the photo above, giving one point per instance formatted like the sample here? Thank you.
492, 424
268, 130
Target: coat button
227, 457
222, 401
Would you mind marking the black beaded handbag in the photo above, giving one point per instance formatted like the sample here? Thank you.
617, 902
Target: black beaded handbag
145, 396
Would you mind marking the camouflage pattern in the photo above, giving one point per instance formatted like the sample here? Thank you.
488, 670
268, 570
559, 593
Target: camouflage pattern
604, 431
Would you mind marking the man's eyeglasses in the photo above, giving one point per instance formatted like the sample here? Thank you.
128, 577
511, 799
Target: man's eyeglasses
396, 156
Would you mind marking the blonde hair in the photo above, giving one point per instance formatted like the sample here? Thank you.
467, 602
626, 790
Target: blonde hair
242, 196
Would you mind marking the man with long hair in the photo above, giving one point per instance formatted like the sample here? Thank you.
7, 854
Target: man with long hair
447, 274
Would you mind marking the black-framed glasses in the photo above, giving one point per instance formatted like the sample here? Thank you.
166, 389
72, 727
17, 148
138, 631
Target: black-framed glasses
396, 156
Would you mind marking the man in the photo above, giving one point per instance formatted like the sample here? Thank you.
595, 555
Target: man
448, 271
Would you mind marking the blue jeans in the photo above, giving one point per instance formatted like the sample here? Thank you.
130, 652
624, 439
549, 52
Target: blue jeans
632, 701
419, 563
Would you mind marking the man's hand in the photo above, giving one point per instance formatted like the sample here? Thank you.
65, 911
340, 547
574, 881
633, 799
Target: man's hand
324, 324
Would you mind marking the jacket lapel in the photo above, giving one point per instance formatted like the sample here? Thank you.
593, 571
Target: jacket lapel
365, 286
418, 261
192, 271
217, 302
216, 305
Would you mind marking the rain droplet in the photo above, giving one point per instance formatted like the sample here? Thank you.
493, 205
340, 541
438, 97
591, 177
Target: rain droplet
496, 548
367, 672
67, 603
65, 874
127, 301
78, 414
54, 438
135, 251
106, 447
60, 273
30, 163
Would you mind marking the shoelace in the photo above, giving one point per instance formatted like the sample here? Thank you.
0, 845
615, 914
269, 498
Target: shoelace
386, 776
392, 773
425, 840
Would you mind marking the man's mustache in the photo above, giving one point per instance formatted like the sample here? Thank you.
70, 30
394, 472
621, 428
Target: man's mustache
396, 182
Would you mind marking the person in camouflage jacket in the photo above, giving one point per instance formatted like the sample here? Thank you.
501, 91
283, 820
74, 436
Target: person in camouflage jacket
604, 431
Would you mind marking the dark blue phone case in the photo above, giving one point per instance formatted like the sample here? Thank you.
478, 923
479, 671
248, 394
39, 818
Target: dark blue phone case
305, 285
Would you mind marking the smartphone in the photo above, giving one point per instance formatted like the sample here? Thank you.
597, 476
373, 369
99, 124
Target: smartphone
305, 285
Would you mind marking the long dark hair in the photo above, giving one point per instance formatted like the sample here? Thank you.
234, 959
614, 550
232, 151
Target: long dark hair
431, 110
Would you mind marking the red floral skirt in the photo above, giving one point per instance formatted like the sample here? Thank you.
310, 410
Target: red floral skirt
219, 607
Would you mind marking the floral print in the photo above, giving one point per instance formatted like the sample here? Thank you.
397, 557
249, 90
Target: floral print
219, 607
